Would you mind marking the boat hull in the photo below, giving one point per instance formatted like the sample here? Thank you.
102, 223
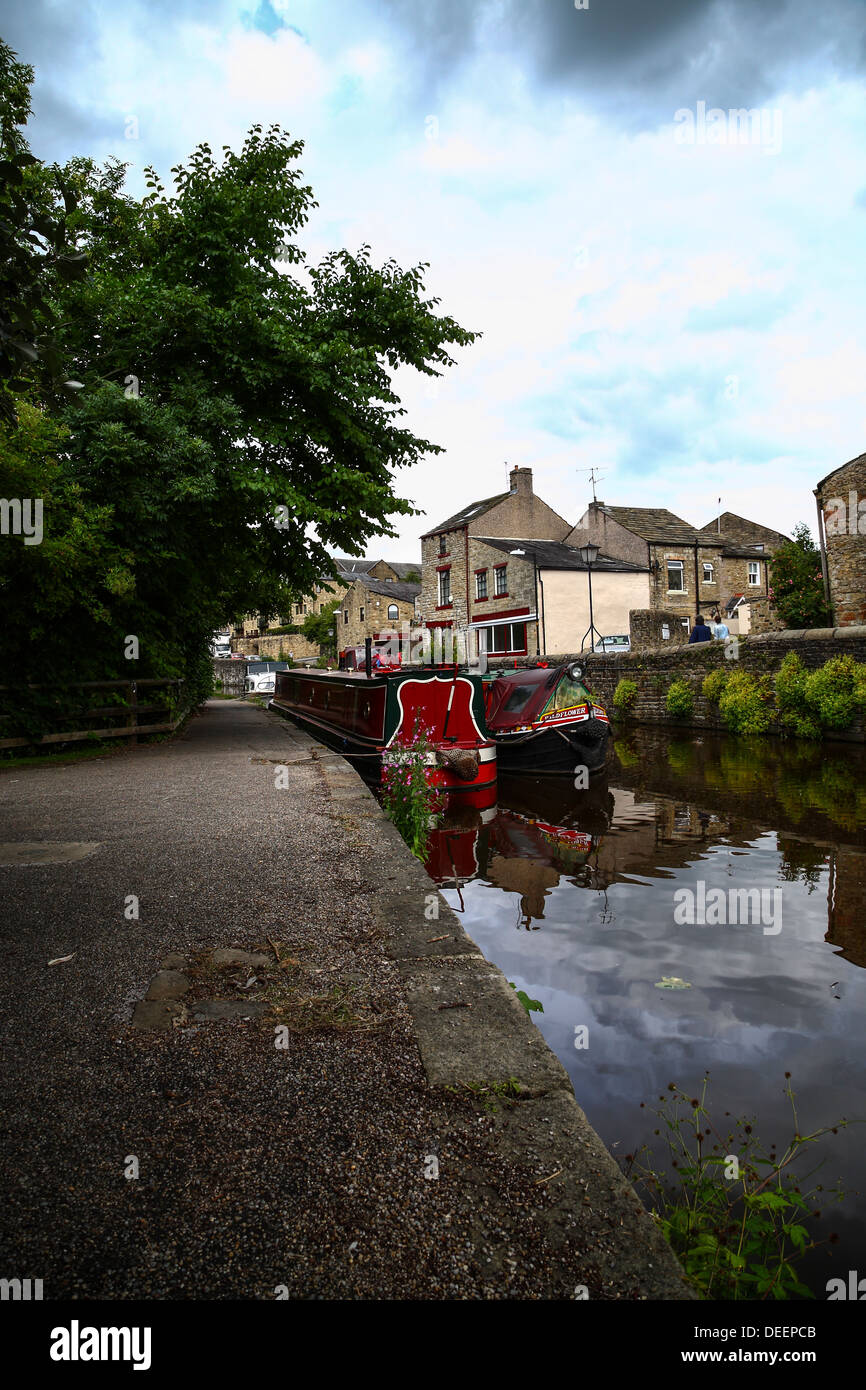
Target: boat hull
563, 748
361, 718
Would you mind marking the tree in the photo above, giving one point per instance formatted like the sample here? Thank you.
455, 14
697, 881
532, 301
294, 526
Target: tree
797, 583
319, 627
413, 577
237, 422
35, 248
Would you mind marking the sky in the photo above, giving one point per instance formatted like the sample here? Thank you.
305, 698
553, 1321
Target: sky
668, 293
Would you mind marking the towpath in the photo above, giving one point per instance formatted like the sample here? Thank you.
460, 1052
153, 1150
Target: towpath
302, 1115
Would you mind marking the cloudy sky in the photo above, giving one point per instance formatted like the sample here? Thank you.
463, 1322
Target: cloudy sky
669, 294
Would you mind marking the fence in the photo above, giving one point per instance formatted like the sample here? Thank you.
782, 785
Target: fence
130, 710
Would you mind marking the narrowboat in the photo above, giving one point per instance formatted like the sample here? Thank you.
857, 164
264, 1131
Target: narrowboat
544, 720
361, 716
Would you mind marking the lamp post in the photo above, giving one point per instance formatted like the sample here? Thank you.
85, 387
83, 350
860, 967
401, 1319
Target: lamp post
589, 554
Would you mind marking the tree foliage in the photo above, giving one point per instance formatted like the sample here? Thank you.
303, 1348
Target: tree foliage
797, 584
237, 420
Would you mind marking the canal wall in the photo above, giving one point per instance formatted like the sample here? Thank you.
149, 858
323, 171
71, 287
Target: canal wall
655, 669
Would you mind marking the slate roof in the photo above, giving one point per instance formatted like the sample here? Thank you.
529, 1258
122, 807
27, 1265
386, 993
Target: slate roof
475, 509
738, 530
354, 568
556, 555
391, 588
654, 524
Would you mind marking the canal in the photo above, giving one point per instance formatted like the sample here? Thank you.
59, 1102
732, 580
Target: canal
578, 896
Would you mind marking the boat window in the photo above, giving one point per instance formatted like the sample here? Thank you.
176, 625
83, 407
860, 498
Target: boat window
519, 697
569, 692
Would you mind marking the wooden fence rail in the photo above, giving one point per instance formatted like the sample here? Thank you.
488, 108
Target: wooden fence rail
131, 710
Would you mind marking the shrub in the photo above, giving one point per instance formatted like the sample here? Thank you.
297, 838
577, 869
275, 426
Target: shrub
738, 1231
408, 799
795, 715
680, 700
830, 692
714, 684
624, 696
746, 704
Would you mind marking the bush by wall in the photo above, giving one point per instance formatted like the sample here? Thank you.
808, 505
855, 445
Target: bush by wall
680, 700
713, 685
624, 696
746, 704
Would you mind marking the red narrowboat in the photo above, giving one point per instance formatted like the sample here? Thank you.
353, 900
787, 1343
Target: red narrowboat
361, 716
545, 720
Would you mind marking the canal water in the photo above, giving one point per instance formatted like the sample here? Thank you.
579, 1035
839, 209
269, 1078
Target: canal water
578, 896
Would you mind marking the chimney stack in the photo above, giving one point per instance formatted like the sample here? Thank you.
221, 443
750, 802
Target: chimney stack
521, 481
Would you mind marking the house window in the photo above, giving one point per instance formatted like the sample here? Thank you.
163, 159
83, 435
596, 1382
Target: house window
676, 583
709, 573
501, 582
443, 545
502, 638
444, 587
393, 612
754, 572
684, 622
345, 615
481, 584
361, 613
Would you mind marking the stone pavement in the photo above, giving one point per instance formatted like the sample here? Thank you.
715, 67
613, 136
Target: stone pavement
284, 1077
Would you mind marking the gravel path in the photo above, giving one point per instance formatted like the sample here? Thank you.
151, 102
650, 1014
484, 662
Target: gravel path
263, 1171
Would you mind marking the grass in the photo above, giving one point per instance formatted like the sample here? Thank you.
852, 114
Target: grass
104, 750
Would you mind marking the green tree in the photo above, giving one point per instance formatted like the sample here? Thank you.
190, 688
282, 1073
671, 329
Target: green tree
237, 422
318, 627
797, 584
35, 249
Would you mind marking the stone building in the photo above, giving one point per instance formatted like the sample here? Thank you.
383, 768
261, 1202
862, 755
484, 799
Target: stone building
373, 607
465, 580
841, 499
691, 570
254, 637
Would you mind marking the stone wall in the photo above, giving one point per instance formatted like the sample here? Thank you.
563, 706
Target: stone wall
654, 670
763, 618
231, 675
647, 627
842, 498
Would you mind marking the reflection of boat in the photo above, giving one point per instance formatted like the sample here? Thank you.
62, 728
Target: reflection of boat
362, 715
537, 821
544, 720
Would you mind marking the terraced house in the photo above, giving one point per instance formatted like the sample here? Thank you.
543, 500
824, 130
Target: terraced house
501, 569
722, 565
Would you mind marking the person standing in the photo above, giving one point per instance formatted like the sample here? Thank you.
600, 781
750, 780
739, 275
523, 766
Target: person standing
700, 632
720, 628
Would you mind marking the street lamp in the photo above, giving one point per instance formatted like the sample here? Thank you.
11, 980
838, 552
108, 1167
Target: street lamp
589, 554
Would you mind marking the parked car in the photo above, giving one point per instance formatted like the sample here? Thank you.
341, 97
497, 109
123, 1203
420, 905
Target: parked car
615, 645
261, 676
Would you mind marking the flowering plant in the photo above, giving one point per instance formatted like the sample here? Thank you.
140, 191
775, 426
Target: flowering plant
408, 799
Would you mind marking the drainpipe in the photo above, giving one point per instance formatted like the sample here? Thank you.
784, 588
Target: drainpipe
540, 581
697, 590
824, 569
468, 609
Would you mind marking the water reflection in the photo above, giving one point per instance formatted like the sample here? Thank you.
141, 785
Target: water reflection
572, 893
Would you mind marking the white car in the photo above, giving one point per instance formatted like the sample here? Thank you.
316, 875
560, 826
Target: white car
614, 646
262, 676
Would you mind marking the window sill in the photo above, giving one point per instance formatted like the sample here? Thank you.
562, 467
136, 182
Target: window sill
441, 606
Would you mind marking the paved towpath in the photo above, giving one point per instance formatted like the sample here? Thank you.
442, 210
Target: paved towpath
306, 1167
